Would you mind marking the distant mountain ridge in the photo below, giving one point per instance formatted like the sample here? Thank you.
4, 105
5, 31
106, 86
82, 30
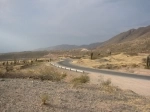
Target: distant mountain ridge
71, 47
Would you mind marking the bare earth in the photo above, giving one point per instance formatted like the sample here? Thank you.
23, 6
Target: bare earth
25, 95
139, 86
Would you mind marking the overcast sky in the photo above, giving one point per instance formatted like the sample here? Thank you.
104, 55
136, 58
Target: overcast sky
31, 24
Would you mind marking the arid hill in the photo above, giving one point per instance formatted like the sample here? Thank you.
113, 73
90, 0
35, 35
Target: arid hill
137, 40
134, 40
71, 47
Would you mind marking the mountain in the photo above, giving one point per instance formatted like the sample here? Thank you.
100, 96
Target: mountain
137, 40
133, 40
91, 46
71, 47
140, 33
59, 47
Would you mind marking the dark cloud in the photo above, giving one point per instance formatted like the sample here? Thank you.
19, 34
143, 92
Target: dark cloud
31, 24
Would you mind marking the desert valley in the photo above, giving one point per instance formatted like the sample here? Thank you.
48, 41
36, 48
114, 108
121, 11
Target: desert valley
29, 83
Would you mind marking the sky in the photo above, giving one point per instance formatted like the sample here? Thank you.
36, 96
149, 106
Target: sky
31, 24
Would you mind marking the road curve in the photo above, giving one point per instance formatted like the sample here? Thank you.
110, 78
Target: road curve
67, 63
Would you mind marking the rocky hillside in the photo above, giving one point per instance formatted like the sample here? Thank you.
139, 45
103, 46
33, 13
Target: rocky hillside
134, 40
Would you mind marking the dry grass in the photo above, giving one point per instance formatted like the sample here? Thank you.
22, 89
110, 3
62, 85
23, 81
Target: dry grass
44, 73
106, 83
116, 61
80, 80
41, 72
44, 98
106, 86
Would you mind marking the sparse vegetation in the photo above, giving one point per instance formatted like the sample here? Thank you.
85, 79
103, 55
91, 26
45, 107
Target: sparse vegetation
120, 61
9, 68
132, 53
80, 80
23, 55
59, 97
44, 98
35, 70
90, 94
106, 83
48, 73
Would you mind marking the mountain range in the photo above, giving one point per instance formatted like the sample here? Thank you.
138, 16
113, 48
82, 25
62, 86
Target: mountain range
132, 40
71, 47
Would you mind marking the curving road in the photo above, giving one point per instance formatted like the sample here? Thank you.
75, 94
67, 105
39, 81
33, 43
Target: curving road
67, 63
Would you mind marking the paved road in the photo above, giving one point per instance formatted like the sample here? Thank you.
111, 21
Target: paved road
67, 63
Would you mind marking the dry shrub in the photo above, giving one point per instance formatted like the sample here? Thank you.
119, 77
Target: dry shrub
48, 73
63, 75
131, 53
108, 66
9, 68
105, 85
26, 66
2, 72
134, 65
80, 80
44, 98
42, 73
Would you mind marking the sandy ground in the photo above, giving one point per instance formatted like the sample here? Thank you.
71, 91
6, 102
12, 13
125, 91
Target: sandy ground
141, 87
24, 95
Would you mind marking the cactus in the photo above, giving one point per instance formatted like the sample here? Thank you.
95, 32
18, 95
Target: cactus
91, 55
148, 61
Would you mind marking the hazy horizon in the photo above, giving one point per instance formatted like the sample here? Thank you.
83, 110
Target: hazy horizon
32, 24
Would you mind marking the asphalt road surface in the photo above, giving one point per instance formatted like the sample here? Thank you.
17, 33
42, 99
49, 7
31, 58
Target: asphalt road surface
67, 63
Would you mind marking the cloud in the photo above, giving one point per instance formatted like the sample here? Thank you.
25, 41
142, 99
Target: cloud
43, 23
